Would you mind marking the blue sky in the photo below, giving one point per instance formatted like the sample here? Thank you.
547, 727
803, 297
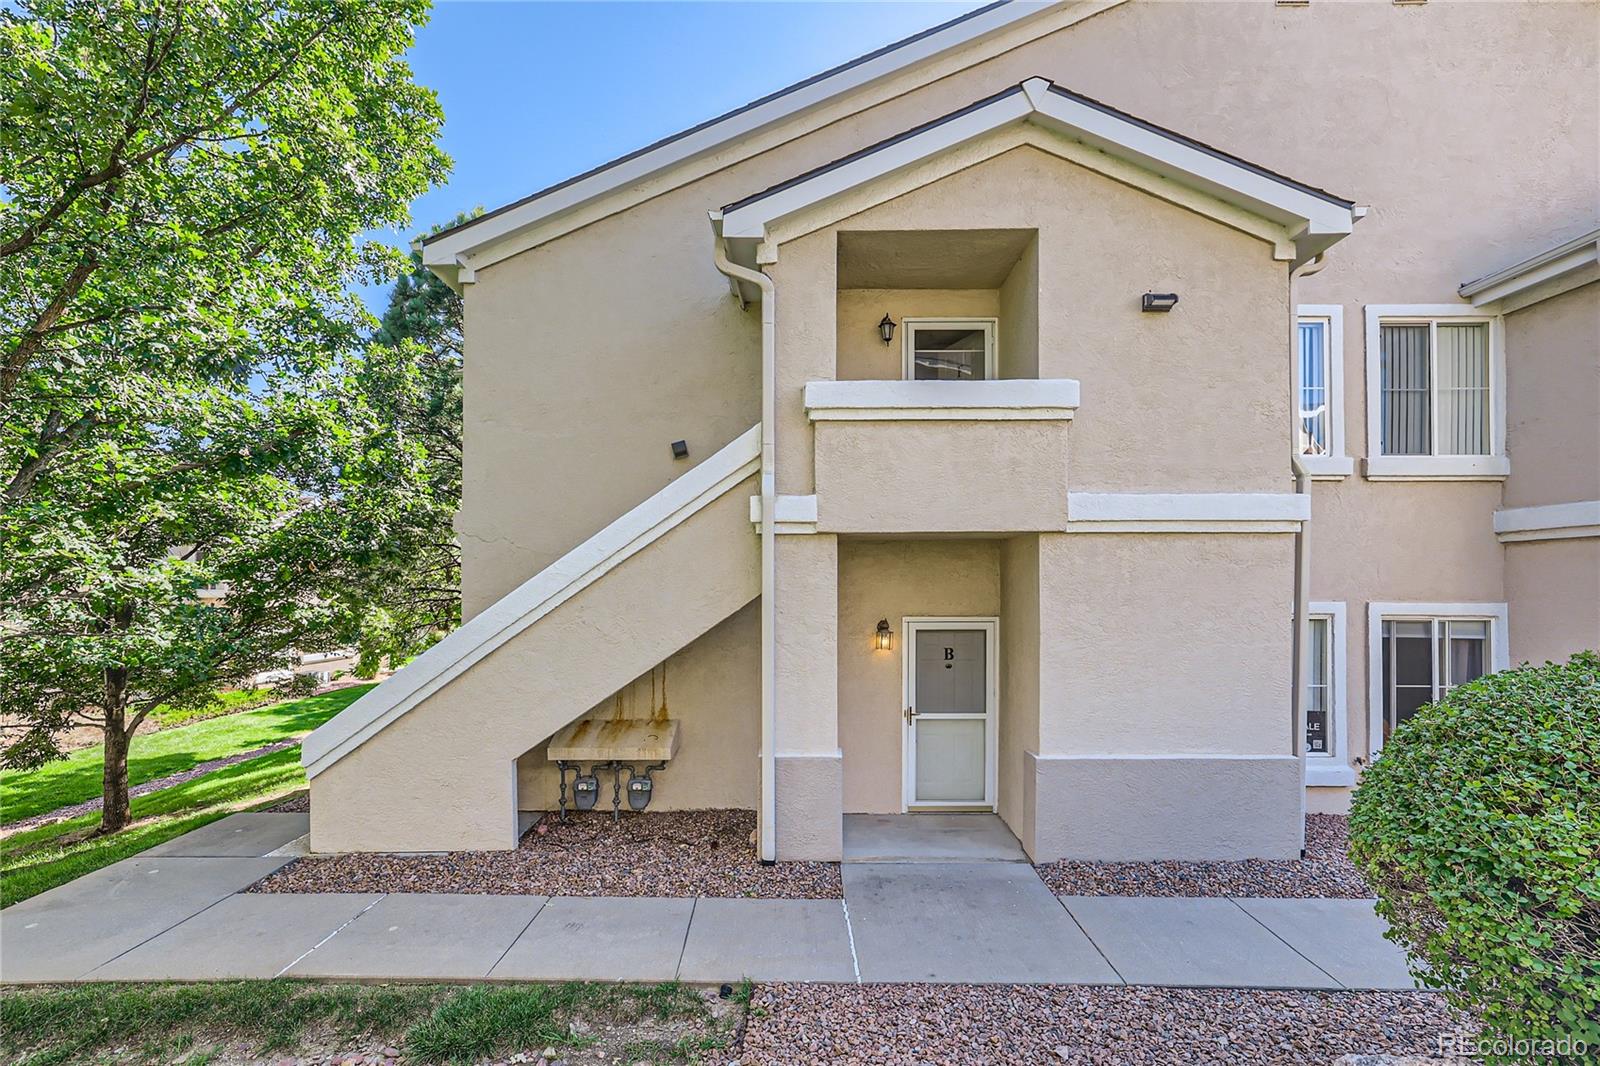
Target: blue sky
536, 92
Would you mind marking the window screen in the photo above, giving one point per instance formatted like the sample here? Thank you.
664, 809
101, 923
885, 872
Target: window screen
948, 354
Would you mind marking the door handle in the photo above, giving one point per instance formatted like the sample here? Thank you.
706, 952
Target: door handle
910, 714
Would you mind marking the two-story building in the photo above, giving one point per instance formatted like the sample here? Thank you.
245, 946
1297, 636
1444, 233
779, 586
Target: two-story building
1115, 415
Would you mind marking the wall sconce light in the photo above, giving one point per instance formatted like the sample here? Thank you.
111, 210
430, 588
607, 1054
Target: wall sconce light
1158, 301
886, 329
884, 636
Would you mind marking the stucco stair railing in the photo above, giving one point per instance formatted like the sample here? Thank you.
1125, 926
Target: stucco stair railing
427, 760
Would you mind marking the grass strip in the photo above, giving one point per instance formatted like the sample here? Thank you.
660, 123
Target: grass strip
431, 1023
77, 778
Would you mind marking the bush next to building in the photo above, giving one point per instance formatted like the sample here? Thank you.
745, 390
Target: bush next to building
1479, 827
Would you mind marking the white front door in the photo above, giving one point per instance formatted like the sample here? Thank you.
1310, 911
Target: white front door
951, 697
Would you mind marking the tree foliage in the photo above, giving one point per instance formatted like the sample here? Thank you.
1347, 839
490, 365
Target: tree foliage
183, 188
1479, 826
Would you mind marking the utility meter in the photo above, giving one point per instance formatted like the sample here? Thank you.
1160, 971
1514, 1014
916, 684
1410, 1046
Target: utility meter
639, 787
585, 791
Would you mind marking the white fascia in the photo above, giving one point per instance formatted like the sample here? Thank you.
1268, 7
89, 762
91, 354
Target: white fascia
1310, 221
739, 134
1004, 400
1187, 512
1550, 273
1551, 521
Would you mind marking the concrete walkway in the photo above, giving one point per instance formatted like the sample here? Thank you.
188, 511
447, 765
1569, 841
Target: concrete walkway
176, 913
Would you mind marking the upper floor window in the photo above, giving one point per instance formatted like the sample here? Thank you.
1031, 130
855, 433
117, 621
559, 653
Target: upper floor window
949, 349
1435, 393
1319, 384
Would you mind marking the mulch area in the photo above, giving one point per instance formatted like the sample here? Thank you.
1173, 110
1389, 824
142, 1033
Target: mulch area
1078, 1024
666, 853
1326, 872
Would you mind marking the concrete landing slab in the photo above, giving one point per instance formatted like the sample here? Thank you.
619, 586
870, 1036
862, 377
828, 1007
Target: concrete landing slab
767, 940
238, 836
979, 922
421, 935
248, 935
601, 938
1191, 942
62, 934
1344, 937
929, 838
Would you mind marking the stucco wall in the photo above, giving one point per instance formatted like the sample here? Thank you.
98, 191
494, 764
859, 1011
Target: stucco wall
1458, 123
893, 579
863, 356
1021, 636
712, 688
1172, 643
1553, 589
1553, 400
1195, 400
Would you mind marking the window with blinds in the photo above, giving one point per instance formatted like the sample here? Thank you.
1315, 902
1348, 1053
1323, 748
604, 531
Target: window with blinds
1435, 388
1424, 658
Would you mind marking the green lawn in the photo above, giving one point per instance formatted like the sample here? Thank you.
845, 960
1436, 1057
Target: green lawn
75, 779
37, 859
430, 1023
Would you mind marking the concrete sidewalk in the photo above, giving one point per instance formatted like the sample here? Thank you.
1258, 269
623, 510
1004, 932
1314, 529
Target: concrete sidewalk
177, 913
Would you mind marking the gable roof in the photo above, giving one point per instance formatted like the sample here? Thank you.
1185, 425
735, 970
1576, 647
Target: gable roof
454, 253
1550, 273
1185, 170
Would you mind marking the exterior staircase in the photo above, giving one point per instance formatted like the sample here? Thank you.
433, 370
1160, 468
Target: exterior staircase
427, 760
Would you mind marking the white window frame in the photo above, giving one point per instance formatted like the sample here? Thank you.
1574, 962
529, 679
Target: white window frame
1498, 657
1379, 467
908, 333
1332, 769
1337, 464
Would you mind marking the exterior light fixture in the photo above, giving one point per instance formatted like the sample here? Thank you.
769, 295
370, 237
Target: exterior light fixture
885, 637
886, 329
1158, 301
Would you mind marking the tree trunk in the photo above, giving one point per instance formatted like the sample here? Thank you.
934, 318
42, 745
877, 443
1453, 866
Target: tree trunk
114, 809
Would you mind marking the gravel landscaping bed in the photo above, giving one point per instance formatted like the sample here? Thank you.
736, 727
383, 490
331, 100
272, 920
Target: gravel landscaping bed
294, 803
670, 853
1325, 872
980, 1024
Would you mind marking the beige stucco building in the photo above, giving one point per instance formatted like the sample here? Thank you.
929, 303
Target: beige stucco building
849, 453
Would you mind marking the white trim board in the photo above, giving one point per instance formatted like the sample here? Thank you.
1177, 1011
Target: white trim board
759, 127
1551, 521
1550, 273
1334, 769
1498, 616
1187, 512
1495, 466
1306, 222
532, 600
791, 514
1337, 464
1009, 399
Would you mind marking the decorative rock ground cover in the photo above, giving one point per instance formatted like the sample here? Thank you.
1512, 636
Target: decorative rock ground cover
667, 853
1326, 872
956, 1025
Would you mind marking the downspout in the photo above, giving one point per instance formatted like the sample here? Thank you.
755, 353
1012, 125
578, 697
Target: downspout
767, 810
1302, 559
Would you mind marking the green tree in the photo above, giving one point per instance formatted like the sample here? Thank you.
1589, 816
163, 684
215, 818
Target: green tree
181, 189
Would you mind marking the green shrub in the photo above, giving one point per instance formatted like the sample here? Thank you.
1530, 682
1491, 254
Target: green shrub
1479, 826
